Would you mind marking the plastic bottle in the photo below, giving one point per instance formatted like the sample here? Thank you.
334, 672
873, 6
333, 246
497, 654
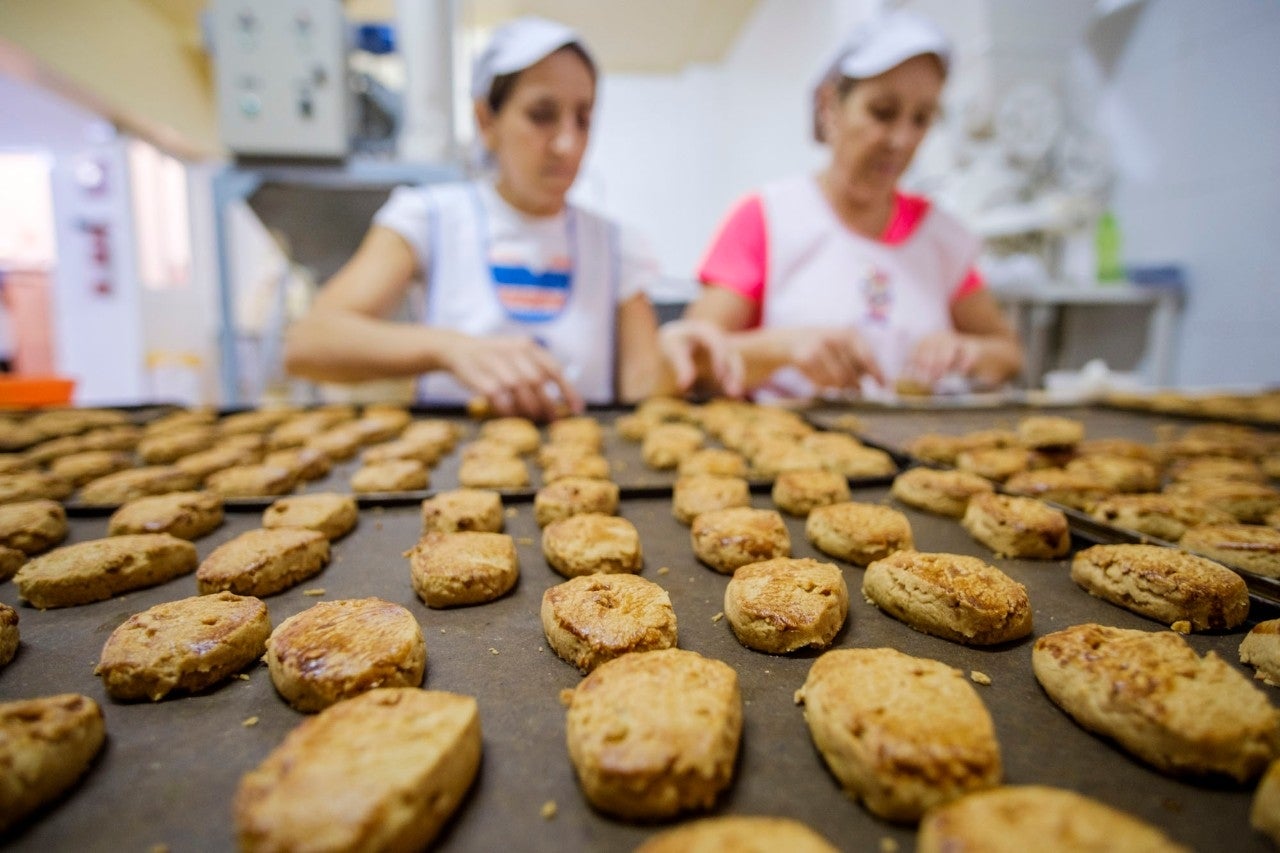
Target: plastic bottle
1110, 268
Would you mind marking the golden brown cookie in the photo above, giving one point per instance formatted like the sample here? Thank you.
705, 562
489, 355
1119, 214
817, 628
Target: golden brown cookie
1039, 431
858, 532
169, 446
100, 568
900, 733
574, 496
1060, 486
80, 468
463, 509
494, 472
34, 485
254, 420
1252, 547
11, 559
467, 567
1119, 447
936, 448
849, 457
200, 465
779, 606
16, 463
124, 486
775, 455
1250, 503
665, 445
426, 452
395, 475
187, 515
725, 539
46, 745
582, 430
593, 466
953, 596
654, 734
713, 460
442, 433
520, 434
263, 562
592, 619
695, 494
1264, 813
184, 646
1011, 819
335, 650
994, 463
338, 443
1215, 468
32, 526
1163, 584
1118, 473
412, 754
306, 463
1017, 527
1163, 516
801, 492
592, 543
1187, 715
738, 834
942, 492
298, 430
1260, 649
332, 514
9, 635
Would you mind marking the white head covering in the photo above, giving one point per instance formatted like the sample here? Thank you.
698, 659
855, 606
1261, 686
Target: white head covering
880, 43
515, 46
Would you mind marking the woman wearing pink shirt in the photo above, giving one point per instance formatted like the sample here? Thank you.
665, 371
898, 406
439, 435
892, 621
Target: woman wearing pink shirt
830, 279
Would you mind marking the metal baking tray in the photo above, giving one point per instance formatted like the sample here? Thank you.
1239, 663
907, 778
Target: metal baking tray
169, 770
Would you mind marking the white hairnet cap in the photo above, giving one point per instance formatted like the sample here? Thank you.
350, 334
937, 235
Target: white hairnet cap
515, 46
886, 41
879, 44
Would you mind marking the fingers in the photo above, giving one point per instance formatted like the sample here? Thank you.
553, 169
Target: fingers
516, 376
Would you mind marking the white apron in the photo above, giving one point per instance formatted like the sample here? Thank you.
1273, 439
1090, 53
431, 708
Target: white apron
463, 295
820, 273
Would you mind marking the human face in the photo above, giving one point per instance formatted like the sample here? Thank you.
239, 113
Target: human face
874, 129
539, 135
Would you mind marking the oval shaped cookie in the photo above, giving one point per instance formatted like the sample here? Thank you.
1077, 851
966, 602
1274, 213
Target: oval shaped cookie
463, 509
1034, 817
338, 649
782, 605
900, 733
1252, 547
574, 496
185, 645
9, 637
738, 834
187, 515
858, 532
726, 539
595, 618
1152, 694
943, 492
493, 472
49, 743
802, 491
252, 480
399, 760
394, 475
695, 494
330, 513
592, 543
467, 567
32, 526
1017, 526
953, 596
653, 734
1260, 649
100, 568
1163, 516
124, 486
263, 562
1163, 584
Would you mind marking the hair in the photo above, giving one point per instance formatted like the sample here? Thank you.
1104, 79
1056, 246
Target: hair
504, 84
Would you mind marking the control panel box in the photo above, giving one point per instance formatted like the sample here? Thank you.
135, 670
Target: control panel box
281, 73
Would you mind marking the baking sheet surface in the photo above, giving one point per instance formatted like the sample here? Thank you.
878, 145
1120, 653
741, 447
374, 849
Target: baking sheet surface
169, 770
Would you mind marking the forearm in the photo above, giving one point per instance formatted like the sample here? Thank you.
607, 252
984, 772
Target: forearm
335, 346
999, 359
763, 352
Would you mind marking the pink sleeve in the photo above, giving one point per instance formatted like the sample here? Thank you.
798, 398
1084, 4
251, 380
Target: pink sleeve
972, 283
738, 257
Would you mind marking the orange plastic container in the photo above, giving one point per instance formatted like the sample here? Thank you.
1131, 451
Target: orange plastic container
29, 391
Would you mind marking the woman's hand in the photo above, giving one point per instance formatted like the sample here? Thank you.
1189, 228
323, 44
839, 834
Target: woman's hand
831, 357
514, 373
696, 348
943, 353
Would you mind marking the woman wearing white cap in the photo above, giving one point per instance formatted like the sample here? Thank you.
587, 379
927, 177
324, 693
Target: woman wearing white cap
531, 302
826, 280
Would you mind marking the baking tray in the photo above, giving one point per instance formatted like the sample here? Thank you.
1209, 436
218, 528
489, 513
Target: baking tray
169, 770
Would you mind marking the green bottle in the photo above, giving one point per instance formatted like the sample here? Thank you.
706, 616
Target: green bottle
1110, 269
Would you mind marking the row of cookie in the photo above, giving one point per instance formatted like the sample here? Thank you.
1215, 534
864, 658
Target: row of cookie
1260, 407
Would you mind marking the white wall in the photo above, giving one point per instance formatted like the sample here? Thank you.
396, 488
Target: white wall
670, 154
1189, 93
